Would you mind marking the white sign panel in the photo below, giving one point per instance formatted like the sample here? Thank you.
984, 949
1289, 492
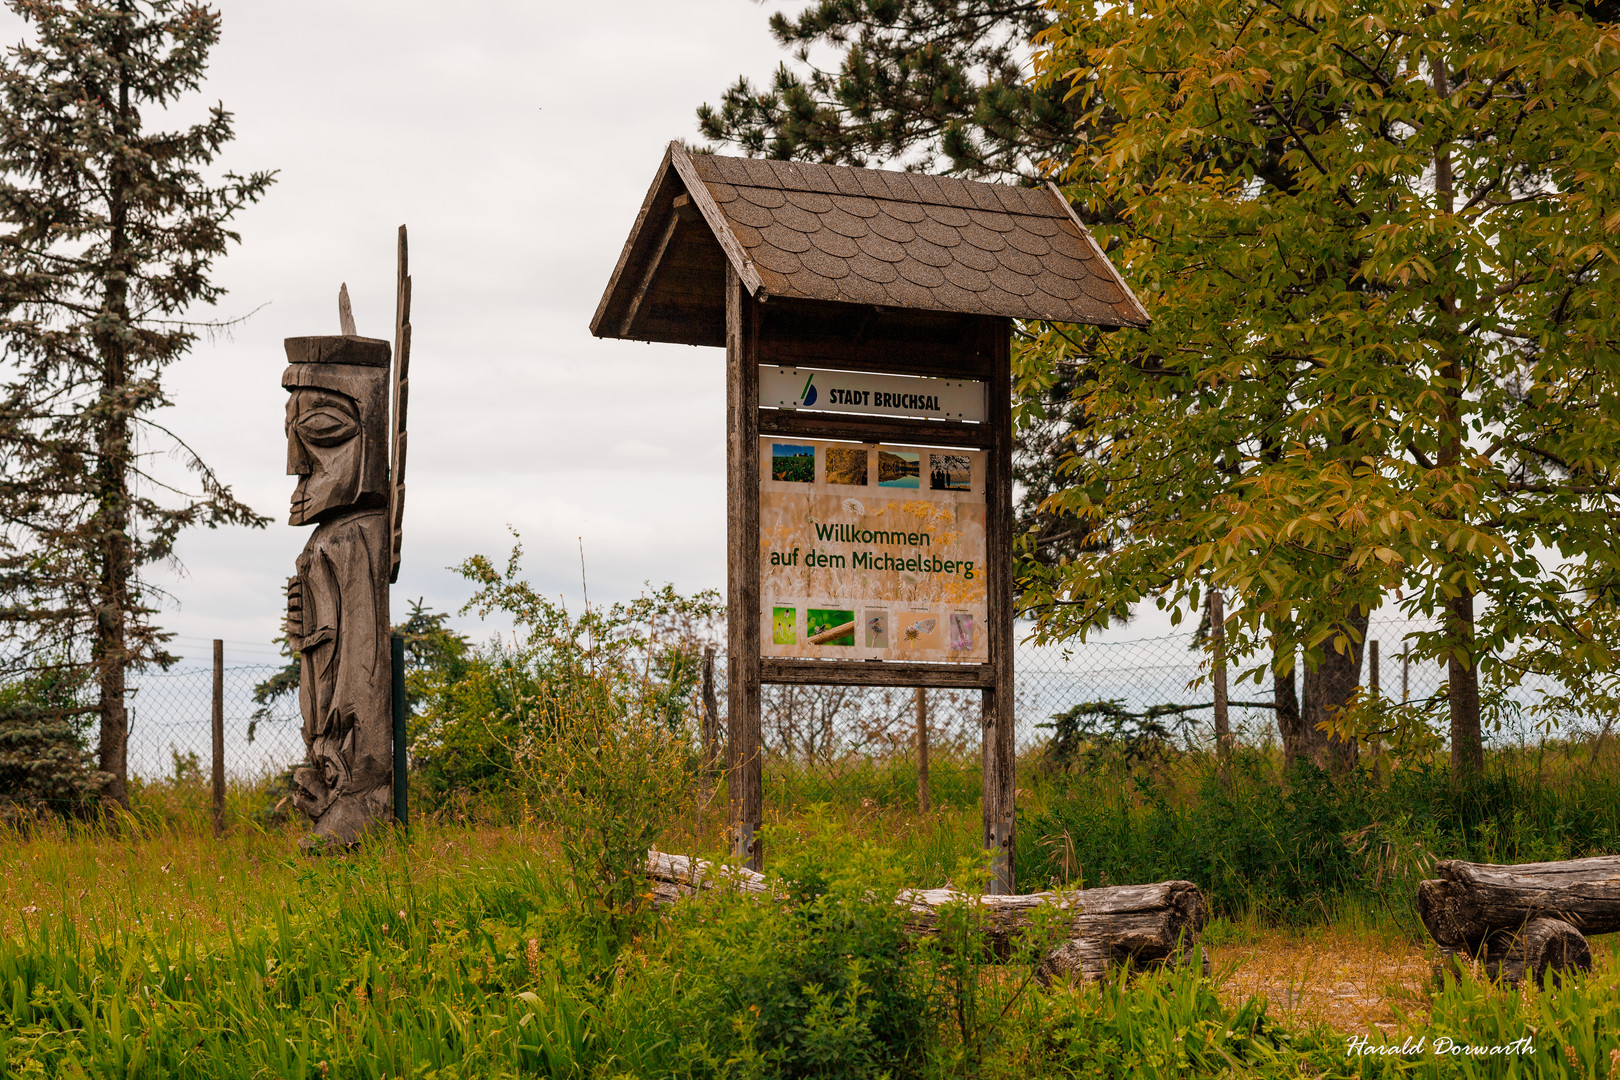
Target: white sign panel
872, 395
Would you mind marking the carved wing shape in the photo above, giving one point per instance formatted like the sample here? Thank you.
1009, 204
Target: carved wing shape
402, 388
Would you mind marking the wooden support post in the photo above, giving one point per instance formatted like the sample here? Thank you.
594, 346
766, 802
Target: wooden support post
925, 800
1372, 690
402, 801
219, 737
1000, 779
1217, 631
744, 745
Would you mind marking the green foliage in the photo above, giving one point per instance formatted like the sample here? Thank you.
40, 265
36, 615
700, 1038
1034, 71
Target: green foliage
599, 722
112, 227
917, 80
1093, 730
463, 956
45, 762
1374, 240
1296, 852
816, 983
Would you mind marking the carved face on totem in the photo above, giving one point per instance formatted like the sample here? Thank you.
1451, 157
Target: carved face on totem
337, 425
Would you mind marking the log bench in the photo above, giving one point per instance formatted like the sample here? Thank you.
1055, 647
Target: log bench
1530, 919
1144, 926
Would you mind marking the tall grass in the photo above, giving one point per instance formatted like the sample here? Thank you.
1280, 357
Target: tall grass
144, 948
1299, 849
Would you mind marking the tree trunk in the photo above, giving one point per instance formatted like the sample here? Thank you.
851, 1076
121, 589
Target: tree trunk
1469, 902
1462, 669
110, 650
1285, 695
1139, 925
1462, 688
1545, 947
1217, 633
1326, 691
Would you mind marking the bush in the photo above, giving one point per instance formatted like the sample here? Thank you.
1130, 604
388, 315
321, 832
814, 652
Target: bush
45, 761
817, 982
1292, 851
593, 715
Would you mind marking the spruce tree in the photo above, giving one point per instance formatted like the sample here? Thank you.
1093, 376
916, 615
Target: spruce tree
937, 84
108, 235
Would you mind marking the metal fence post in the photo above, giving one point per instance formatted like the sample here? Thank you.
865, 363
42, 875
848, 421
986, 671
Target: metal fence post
402, 806
925, 800
219, 737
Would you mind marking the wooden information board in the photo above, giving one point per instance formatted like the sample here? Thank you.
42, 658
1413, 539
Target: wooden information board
867, 321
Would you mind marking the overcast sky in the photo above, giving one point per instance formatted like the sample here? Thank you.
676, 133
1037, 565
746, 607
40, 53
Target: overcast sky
516, 139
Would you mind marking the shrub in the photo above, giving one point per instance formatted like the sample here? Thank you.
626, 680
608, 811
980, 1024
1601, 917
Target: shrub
45, 761
816, 981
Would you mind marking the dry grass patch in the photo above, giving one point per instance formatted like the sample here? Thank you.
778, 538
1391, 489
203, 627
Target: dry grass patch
1352, 979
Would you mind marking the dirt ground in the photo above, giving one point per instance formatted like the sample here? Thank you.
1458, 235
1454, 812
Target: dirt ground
1351, 981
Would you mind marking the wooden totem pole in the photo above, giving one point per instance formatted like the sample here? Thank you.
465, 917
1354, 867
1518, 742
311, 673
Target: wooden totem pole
348, 451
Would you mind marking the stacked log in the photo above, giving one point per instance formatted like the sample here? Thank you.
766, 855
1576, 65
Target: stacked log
1142, 926
1530, 919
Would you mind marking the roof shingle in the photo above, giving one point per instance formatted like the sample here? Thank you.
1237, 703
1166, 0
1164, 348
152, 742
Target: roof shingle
867, 236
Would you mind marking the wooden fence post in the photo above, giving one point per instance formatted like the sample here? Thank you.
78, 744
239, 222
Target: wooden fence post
925, 800
711, 717
219, 737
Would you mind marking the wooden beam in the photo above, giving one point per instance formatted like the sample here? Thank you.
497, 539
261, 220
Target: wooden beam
886, 356
875, 673
998, 749
744, 753
664, 183
654, 262
1102, 256
872, 429
736, 255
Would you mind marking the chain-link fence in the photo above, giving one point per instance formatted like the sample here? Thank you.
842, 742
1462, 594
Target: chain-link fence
826, 728
171, 724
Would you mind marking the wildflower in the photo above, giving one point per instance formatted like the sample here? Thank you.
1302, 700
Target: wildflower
534, 957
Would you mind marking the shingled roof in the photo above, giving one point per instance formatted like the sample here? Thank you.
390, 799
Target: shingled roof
860, 236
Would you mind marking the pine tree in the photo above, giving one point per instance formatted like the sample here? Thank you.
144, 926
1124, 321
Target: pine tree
110, 234
916, 81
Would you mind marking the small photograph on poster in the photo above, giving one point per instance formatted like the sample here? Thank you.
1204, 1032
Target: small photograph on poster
846, 465
784, 626
961, 630
793, 463
898, 469
829, 626
950, 472
917, 630
877, 629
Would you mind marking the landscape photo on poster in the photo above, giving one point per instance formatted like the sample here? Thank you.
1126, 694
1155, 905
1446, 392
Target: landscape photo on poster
872, 552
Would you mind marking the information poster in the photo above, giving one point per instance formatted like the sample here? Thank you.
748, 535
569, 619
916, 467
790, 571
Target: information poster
872, 552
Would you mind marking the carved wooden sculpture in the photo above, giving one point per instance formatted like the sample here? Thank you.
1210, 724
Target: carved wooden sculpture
339, 435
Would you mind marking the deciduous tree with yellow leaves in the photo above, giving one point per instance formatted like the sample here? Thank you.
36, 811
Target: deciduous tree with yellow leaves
1377, 239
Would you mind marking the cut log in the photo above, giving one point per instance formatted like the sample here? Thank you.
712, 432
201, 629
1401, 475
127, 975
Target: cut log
1543, 948
1472, 901
1141, 925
